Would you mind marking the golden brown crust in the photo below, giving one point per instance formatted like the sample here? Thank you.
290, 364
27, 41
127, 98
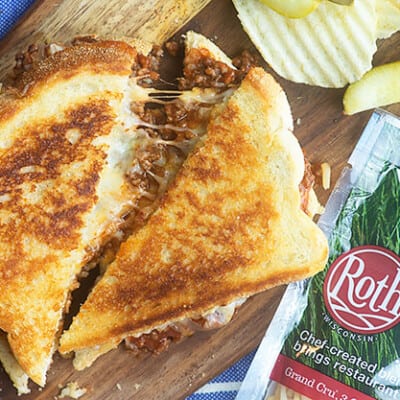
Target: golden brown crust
106, 56
40, 156
230, 226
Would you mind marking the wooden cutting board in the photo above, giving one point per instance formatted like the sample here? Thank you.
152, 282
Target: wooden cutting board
324, 132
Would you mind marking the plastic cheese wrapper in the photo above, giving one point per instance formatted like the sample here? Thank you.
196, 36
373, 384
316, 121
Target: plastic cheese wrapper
337, 335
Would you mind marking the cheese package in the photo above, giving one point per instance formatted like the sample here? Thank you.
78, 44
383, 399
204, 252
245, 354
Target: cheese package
337, 335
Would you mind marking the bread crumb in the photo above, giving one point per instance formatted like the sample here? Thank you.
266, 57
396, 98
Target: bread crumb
71, 390
119, 387
137, 386
326, 175
298, 121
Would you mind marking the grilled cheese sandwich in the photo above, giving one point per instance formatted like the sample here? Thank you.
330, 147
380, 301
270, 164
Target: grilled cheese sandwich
230, 225
89, 146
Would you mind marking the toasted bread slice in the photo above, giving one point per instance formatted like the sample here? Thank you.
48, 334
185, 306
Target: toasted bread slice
229, 226
67, 141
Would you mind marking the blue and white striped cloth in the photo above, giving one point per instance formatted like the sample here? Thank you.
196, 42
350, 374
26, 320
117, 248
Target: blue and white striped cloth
10, 12
224, 386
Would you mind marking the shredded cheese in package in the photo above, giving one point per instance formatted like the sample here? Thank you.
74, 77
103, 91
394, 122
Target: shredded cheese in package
337, 335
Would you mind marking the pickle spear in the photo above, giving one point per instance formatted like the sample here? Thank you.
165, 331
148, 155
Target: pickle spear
298, 8
379, 87
342, 2
292, 8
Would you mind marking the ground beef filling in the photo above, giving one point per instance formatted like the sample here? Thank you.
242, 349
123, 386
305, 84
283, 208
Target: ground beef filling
201, 70
158, 341
154, 342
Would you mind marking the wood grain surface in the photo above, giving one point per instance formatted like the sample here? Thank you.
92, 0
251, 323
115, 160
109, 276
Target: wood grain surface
322, 129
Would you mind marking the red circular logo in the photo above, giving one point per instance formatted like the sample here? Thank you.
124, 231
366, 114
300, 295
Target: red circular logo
362, 289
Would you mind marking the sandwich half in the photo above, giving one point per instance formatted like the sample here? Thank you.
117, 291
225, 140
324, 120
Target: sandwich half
66, 144
230, 225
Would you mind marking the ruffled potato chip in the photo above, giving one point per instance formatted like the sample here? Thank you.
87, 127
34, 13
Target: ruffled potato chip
388, 18
331, 47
